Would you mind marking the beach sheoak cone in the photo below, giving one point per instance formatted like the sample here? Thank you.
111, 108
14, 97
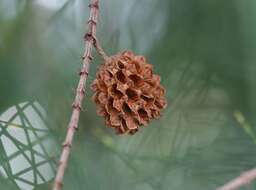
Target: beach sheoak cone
127, 93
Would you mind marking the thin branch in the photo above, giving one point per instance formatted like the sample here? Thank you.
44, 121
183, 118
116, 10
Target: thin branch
100, 50
90, 39
244, 179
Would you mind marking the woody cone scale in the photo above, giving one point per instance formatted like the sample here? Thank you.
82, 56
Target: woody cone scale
127, 93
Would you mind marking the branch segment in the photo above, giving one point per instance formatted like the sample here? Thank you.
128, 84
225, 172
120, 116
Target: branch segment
77, 104
244, 179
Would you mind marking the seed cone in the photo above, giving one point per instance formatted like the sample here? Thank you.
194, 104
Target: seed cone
127, 93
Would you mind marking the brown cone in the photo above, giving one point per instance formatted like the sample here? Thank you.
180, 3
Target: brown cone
127, 93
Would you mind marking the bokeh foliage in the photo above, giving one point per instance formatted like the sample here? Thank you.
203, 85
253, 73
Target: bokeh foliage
204, 51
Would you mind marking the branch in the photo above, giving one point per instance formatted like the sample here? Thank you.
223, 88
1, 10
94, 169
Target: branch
100, 50
244, 179
90, 41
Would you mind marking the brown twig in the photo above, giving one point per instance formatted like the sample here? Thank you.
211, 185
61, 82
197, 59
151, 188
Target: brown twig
100, 50
90, 41
244, 179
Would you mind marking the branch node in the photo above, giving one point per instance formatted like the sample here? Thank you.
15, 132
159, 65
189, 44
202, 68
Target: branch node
81, 91
58, 185
67, 144
90, 57
73, 127
88, 37
83, 72
76, 106
91, 21
94, 5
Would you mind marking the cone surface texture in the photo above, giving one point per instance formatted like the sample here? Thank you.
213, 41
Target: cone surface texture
127, 93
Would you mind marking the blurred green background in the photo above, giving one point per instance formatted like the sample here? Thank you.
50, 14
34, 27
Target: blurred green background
204, 51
